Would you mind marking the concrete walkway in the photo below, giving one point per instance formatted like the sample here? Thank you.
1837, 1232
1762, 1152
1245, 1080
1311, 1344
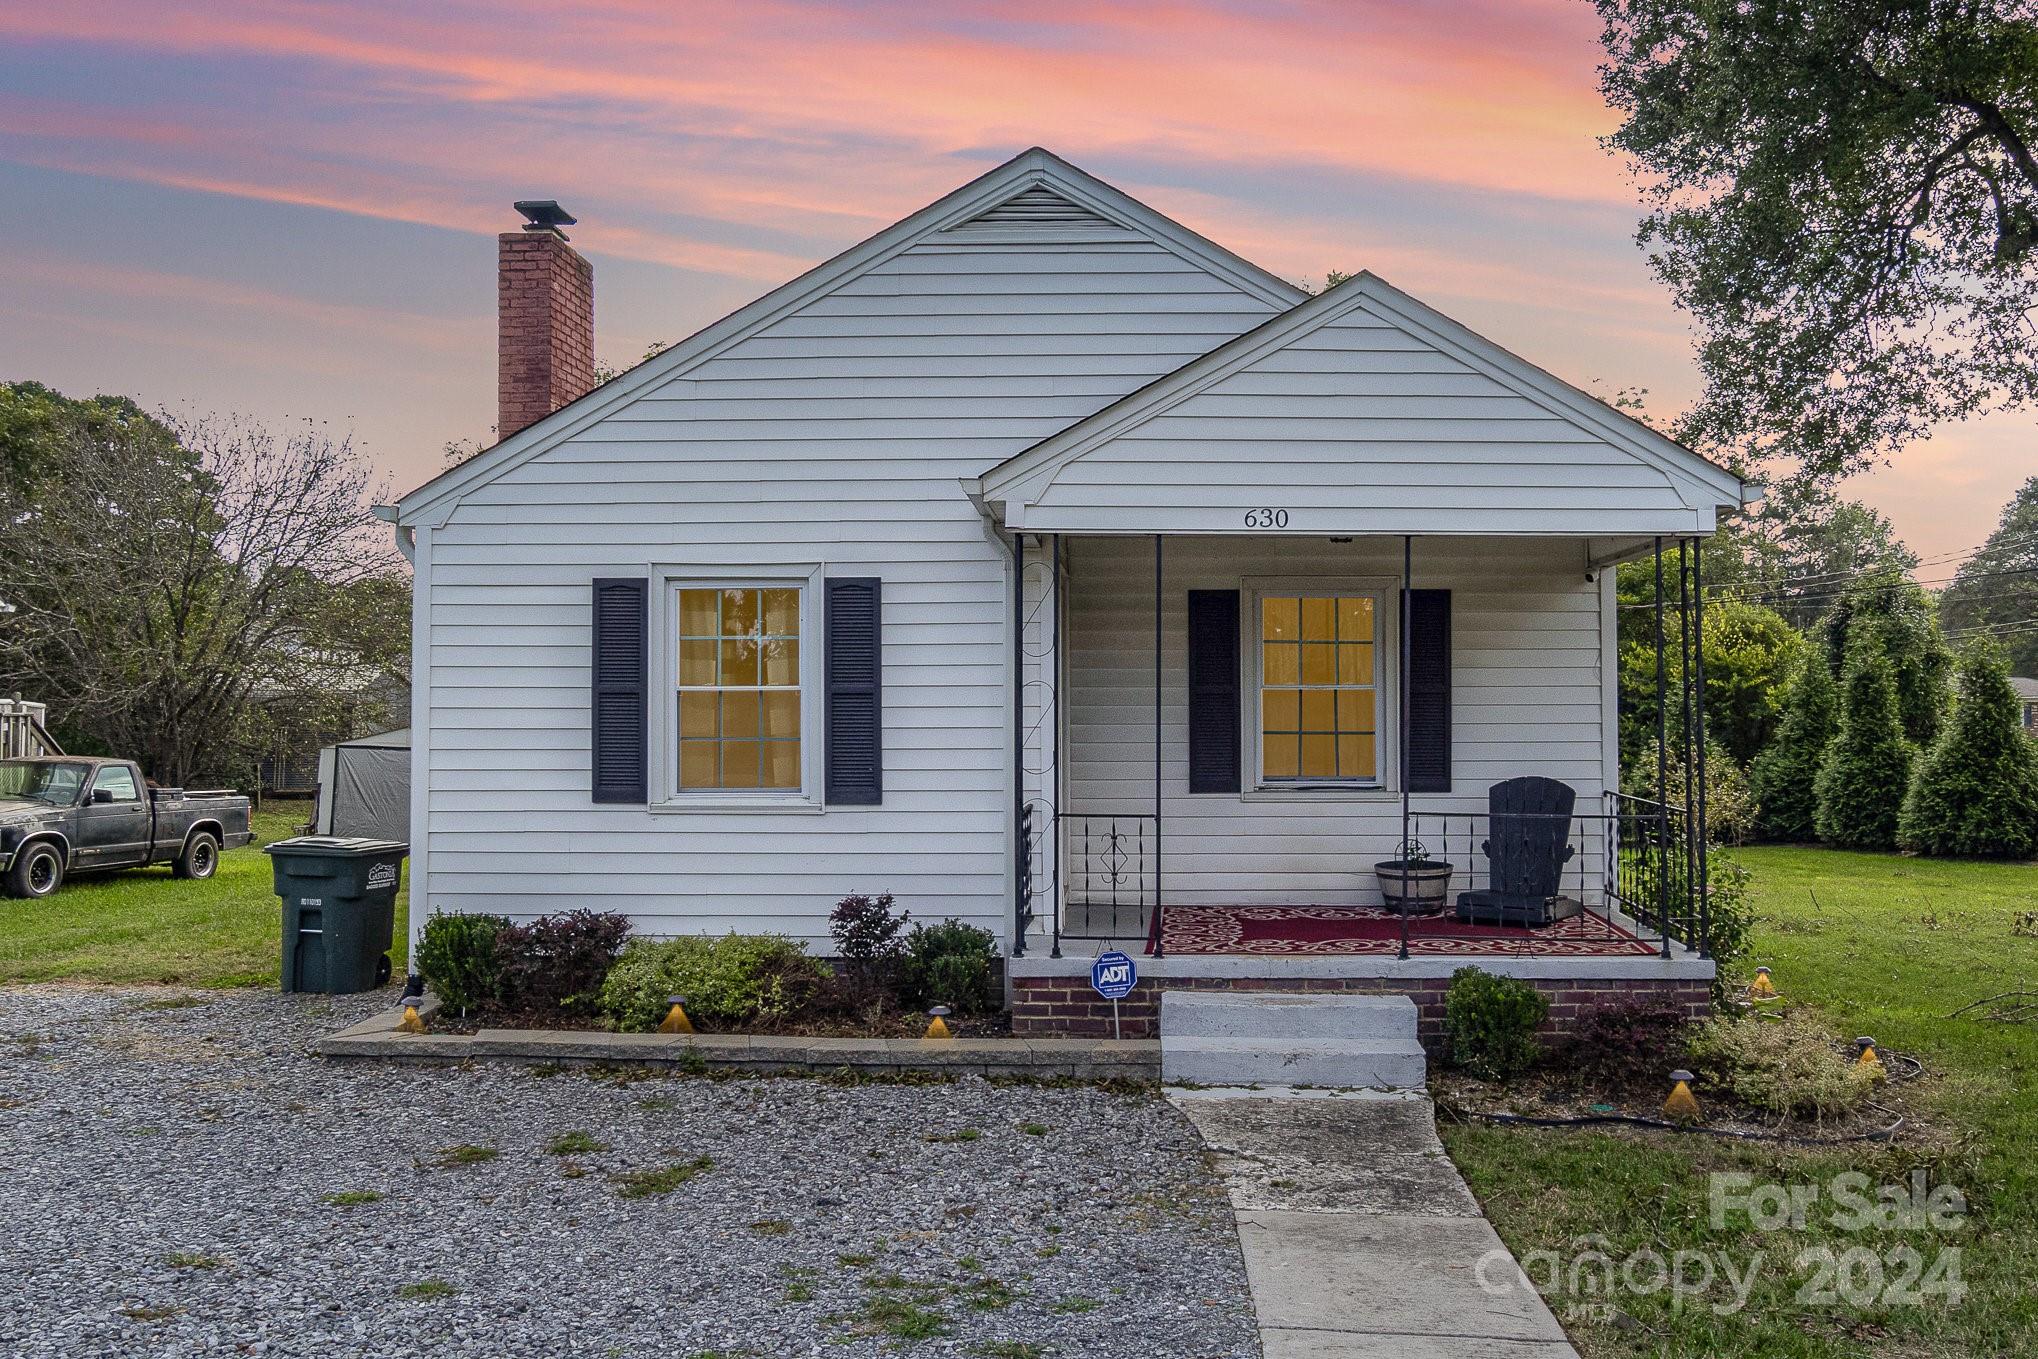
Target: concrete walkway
1360, 1237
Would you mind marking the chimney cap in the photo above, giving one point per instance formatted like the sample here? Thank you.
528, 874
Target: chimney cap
544, 214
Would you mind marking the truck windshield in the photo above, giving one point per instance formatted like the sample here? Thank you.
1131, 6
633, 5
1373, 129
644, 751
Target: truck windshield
53, 781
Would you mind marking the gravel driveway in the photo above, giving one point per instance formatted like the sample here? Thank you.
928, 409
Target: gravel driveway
182, 1178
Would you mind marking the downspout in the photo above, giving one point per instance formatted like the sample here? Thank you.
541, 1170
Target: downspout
1015, 554
420, 738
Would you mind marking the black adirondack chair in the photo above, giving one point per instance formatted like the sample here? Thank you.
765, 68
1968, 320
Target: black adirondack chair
1529, 822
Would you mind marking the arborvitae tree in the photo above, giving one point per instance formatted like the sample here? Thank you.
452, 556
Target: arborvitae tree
1785, 776
1977, 792
1867, 768
1893, 613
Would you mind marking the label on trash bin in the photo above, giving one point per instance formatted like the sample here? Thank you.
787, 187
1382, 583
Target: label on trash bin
311, 901
382, 875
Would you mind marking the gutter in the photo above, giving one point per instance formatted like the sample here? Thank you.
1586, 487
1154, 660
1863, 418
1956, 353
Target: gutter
406, 536
972, 487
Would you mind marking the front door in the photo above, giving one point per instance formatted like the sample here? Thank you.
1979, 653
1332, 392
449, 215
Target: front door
113, 823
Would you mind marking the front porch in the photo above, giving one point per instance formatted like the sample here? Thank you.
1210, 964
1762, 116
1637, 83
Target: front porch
1169, 808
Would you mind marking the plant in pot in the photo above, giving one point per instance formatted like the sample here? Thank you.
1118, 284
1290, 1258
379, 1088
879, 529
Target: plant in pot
1414, 884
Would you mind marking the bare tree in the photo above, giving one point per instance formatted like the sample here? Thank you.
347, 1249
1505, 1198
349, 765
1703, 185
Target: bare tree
155, 592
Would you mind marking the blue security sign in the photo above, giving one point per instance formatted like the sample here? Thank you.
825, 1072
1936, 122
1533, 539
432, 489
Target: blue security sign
1113, 975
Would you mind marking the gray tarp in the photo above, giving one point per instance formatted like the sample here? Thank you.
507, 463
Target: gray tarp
369, 793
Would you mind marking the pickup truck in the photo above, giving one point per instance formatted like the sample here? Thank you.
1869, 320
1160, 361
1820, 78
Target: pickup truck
65, 815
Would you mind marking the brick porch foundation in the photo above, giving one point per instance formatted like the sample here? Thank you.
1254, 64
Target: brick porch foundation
1052, 997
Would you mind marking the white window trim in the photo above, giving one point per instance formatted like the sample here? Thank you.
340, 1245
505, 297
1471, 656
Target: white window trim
666, 794
1386, 591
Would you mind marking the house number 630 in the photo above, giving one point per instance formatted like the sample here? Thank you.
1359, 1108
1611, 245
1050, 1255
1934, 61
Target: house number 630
1266, 519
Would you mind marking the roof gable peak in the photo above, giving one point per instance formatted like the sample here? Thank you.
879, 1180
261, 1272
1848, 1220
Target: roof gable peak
1035, 171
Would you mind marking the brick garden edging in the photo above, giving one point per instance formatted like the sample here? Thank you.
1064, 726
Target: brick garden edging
1081, 1058
1052, 996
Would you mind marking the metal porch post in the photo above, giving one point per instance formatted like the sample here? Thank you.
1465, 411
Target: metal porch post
1401, 729
1662, 769
1056, 898
1687, 643
1704, 838
1159, 943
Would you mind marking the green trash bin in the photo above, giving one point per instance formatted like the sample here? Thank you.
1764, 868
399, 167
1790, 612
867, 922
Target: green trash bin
339, 910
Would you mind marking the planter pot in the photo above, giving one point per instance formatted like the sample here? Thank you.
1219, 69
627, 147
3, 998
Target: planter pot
1420, 888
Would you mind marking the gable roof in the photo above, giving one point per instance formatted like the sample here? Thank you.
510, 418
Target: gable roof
1036, 196
1701, 484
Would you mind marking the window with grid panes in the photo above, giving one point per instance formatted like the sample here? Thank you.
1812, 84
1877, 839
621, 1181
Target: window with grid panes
739, 688
1319, 688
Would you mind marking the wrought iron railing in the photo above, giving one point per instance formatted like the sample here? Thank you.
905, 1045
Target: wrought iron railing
1657, 870
1631, 871
1108, 872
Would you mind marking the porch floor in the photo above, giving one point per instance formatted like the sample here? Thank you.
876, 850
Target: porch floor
1332, 931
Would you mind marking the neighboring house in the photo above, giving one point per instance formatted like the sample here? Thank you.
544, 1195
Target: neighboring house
327, 699
743, 631
2027, 699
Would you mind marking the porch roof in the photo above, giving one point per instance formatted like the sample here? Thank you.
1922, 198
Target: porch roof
1360, 411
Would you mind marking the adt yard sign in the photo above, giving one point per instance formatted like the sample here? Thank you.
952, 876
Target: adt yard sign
1113, 975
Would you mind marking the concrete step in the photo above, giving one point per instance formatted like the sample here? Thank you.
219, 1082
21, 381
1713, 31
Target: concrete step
1281, 1018
1348, 1063
1274, 1038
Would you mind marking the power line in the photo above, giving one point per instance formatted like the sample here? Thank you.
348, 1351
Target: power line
1906, 582
1789, 584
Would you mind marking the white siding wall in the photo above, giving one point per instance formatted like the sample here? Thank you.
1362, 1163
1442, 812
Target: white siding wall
1528, 697
1359, 427
835, 436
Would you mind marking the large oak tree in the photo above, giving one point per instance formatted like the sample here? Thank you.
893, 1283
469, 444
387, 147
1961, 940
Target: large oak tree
1844, 197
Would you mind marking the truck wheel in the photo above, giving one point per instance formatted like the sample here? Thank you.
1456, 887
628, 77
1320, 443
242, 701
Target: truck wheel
38, 871
200, 858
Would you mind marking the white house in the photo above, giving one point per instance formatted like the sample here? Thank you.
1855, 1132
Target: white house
1048, 565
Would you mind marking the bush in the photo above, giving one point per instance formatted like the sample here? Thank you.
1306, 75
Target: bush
1977, 792
867, 931
1491, 1023
1784, 776
557, 962
458, 960
1730, 808
1629, 1045
1867, 768
736, 979
1730, 917
1779, 1064
953, 964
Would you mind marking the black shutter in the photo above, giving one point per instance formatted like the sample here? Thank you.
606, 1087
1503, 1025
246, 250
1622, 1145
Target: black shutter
621, 615
855, 629
1429, 691
1213, 691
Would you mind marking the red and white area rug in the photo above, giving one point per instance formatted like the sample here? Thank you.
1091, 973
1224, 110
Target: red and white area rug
1329, 930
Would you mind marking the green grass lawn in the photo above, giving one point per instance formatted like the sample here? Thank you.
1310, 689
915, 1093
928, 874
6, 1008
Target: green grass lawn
1881, 945
147, 926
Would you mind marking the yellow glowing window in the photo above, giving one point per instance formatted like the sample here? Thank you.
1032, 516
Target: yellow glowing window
1319, 691
739, 688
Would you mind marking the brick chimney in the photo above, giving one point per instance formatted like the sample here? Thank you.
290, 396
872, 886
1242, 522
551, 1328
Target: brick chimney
544, 319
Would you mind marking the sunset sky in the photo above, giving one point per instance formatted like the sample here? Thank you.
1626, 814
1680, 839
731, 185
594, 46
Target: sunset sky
287, 209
